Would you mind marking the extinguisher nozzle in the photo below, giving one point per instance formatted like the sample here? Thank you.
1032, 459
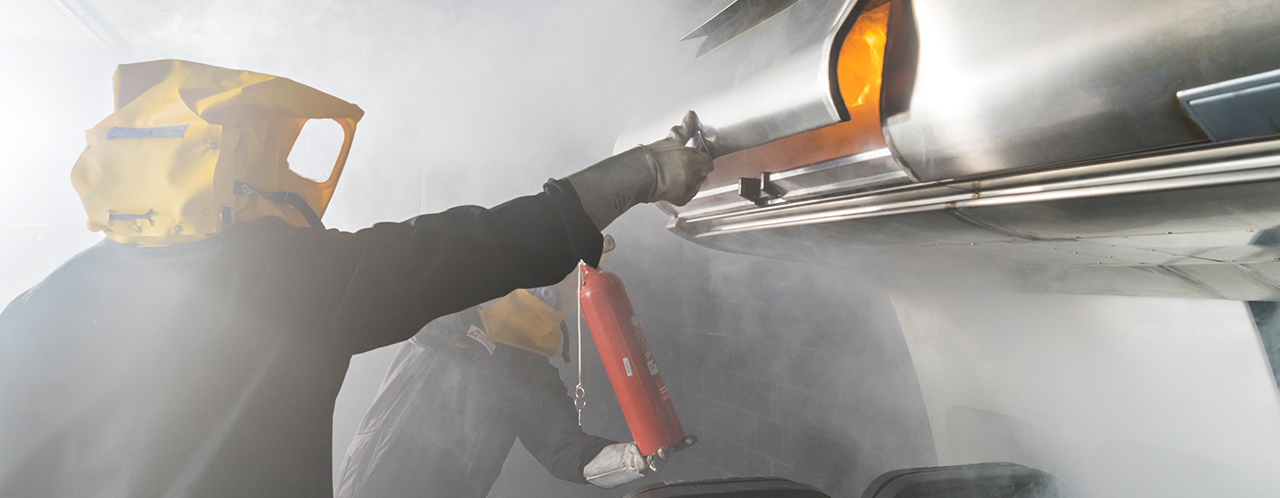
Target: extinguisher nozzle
658, 459
685, 443
653, 463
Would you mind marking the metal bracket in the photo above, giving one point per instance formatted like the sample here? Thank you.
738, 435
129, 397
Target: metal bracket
658, 459
760, 190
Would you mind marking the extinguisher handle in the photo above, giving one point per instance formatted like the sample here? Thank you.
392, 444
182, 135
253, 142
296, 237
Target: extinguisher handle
685, 443
658, 459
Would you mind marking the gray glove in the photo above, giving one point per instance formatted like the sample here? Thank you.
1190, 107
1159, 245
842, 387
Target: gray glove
665, 170
616, 464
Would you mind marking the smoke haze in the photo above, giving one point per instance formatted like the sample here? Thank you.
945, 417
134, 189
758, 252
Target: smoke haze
780, 368
474, 103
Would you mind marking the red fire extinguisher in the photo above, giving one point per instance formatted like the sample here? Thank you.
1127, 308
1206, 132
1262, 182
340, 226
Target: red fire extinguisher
631, 367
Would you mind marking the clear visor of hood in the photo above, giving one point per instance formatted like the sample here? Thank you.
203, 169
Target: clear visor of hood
316, 150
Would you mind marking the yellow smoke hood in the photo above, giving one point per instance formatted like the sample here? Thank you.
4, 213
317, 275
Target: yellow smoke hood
194, 148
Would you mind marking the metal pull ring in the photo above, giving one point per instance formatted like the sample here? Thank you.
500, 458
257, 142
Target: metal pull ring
579, 393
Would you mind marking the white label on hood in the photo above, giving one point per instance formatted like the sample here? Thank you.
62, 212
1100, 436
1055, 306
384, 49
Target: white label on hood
481, 337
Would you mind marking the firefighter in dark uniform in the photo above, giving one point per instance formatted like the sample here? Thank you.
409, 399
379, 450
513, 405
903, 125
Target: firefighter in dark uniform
198, 350
459, 394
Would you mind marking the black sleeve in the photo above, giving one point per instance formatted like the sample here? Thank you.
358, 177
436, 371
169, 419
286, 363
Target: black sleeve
550, 431
380, 285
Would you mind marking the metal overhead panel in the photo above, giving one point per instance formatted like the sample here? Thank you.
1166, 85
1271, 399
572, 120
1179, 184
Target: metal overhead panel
1240, 108
866, 171
1191, 223
735, 19
1044, 139
771, 80
998, 85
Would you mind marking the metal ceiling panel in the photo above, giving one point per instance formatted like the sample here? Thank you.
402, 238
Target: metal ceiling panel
998, 85
769, 82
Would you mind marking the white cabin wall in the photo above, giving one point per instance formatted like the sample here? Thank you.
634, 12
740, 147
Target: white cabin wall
1118, 396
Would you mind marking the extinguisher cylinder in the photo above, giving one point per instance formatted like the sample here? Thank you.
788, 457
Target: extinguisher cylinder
630, 364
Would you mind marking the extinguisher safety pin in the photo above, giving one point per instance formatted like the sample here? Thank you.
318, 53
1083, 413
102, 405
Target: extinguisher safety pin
579, 392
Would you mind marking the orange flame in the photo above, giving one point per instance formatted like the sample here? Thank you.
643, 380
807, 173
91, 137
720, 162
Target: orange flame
858, 69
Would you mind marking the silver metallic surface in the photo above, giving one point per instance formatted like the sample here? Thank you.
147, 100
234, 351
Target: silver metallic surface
1240, 108
1009, 84
856, 173
1183, 224
733, 20
1252, 162
769, 82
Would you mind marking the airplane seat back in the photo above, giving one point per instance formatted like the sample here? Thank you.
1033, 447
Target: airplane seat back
980, 480
738, 487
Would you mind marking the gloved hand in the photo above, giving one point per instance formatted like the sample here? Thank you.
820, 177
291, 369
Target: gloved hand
616, 464
665, 170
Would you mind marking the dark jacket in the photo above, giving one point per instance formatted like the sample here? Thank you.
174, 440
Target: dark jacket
211, 369
449, 411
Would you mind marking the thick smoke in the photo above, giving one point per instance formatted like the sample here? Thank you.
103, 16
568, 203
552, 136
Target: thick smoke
54, 86
477, 102
781, 368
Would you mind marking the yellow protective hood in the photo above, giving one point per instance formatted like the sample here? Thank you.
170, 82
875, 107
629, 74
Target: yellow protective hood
521, 320
193, 148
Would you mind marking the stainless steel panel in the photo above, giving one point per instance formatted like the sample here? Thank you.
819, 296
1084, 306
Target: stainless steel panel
1241, 108
1270, 269
929, 228
1194, 223
1126, 197
1231, 207
770, 82
1232, 281
860, 172
1009, 84
1123, 281
734, 19
1022, 253
1106, 254
1239, 254
1151, 280
857, 173
1182, 241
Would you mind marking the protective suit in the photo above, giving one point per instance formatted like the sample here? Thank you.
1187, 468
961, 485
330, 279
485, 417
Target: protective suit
456, 398
205, 361
211, 368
